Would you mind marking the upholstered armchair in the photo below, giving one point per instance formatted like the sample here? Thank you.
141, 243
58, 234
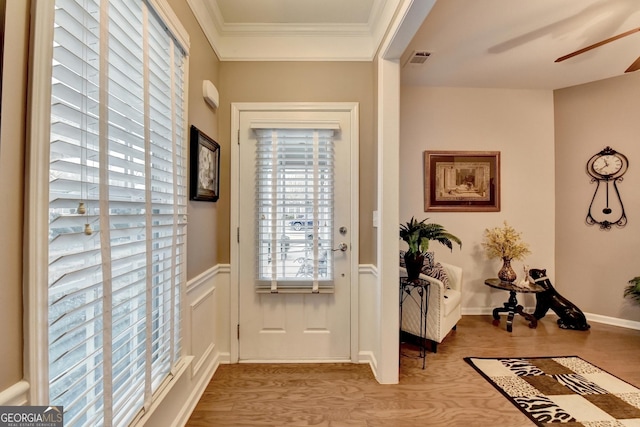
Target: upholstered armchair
444, 309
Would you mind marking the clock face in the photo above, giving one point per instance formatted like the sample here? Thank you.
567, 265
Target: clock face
607, 165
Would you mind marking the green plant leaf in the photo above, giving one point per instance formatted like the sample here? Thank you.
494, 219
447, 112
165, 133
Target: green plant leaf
418, 234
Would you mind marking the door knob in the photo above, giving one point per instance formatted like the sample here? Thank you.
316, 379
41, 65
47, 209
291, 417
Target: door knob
341, 247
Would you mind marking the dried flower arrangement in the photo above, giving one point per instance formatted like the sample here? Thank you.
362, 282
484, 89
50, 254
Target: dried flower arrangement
504, 242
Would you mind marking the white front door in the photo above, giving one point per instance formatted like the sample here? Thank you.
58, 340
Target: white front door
295, 236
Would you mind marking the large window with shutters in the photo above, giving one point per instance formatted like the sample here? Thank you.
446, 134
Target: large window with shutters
117, 206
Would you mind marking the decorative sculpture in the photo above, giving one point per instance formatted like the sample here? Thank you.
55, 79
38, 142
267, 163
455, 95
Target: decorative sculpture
570, 316
524, 283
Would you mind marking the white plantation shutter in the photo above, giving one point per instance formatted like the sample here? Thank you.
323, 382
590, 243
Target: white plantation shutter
117, 209
294, 206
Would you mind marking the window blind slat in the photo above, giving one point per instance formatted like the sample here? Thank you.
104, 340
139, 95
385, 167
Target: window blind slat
67, 341
78, 387
70, 168
130, 318
78, 40
69, 110
75, 63
71, 10
64, 150
67, 132
65, 77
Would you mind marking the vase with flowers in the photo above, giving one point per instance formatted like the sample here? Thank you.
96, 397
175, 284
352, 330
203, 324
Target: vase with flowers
505, 243
418, 234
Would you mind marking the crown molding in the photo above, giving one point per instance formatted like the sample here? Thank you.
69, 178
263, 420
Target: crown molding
294, 42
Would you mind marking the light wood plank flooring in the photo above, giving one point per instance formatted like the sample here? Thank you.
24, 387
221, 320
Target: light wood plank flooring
447, 393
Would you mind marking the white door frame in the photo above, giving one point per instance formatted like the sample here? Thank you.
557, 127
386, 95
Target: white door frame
234, 288
409, 16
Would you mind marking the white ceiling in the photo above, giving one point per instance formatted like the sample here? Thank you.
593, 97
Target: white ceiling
294, 30
473, 43
514, 43
294, 11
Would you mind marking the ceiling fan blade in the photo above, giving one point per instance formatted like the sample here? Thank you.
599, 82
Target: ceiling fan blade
600, 43
633, 67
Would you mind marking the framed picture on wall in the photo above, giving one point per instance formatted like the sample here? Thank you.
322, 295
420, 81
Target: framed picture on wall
462, 181
205, 167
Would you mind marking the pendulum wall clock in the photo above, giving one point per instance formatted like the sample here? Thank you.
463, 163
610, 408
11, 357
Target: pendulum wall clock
606, 169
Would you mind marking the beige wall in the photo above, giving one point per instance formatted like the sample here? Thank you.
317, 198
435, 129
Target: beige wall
519, 124
3, 5
594, 266
202, 231
302, 82
12, 152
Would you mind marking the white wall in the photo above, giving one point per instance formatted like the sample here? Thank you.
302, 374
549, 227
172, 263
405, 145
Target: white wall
519, 124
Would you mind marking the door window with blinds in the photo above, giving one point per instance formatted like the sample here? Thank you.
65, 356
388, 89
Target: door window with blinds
294, 208
117, 207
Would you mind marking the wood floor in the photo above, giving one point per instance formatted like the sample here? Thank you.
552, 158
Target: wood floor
447, 393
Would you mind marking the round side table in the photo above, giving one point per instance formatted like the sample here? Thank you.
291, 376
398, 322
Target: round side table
511, 307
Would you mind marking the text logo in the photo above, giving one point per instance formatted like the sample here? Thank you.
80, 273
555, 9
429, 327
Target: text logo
31, 416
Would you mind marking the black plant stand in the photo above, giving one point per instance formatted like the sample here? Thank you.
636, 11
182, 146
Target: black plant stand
421, 286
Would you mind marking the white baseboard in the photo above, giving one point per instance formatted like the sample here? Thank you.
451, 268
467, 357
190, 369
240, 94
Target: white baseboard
16, 395
367, 357
614, 321
294, 361
167, 389
224, 358
482, 311
182, 416
476, 311
597, 318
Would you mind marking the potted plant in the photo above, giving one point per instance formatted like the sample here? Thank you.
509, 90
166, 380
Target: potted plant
505, 243
633, 290
418, 234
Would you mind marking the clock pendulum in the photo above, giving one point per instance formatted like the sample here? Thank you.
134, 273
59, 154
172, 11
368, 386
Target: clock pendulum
607, 167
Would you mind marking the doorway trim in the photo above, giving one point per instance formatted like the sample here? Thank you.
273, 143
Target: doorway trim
234, 298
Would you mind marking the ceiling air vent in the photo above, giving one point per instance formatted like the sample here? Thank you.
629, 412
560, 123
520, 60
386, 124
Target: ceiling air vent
419, 57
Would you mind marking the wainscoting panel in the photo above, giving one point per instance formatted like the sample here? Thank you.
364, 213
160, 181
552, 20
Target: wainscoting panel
203, 325
368, 306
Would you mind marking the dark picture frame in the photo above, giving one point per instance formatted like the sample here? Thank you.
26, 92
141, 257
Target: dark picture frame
205, 167
462, 181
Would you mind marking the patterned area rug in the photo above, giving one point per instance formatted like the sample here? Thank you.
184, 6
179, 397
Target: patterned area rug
563, 391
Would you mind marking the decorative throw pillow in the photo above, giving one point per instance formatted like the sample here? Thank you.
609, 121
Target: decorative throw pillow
437, 272
429, 260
